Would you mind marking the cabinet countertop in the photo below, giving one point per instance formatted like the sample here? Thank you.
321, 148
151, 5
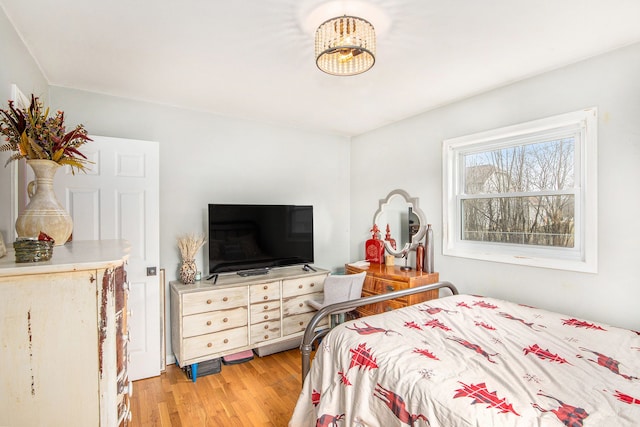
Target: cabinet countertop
227, 280
73, 256
389, 271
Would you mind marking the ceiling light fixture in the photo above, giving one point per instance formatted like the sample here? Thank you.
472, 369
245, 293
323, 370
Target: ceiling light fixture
345, 46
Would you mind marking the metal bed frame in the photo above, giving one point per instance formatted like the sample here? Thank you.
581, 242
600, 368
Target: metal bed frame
311, 335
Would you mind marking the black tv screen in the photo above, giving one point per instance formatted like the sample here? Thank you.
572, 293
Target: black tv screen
246, 237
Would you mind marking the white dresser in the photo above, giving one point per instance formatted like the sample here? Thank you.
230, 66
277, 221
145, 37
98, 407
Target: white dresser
240, 313
63, 325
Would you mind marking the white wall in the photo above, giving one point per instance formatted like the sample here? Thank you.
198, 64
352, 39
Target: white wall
16, 67
206, 158
408, 155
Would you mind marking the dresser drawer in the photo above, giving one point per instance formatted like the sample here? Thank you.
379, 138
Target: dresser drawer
203, 345
264, 292
303, 285
297, 323
213, 321
265, 331
389, 305
265, 311
298, 304
383, 286
199, 302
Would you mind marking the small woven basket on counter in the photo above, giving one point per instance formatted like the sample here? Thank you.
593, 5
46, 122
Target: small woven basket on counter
31, 250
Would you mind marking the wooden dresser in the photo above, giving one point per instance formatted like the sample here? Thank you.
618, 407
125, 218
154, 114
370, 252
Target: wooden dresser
382, 279
64, 333
241, 313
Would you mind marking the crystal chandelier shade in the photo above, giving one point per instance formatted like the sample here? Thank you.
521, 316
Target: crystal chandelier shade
345, 46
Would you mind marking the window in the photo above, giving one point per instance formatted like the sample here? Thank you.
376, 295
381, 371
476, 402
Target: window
524, 194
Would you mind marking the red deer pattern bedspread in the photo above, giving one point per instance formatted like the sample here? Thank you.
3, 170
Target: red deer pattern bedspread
473, 361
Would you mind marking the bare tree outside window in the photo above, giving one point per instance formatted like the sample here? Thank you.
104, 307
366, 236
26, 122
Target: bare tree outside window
522, 194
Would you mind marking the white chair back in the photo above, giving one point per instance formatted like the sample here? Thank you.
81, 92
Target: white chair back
339, 288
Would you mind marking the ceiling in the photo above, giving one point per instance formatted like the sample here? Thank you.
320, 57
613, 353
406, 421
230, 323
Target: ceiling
254, 59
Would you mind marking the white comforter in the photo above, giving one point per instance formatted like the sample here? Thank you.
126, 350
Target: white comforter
473, 361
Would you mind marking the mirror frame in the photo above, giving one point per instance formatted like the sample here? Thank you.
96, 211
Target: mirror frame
416, 238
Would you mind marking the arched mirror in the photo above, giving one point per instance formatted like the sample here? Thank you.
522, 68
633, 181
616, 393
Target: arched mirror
407, 223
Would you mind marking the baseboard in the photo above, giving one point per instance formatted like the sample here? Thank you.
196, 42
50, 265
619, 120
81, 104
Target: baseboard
171, 359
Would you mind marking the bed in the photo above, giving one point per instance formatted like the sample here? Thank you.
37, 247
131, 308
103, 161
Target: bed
465, 360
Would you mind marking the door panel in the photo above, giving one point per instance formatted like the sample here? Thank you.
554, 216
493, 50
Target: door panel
84, 208
118, 199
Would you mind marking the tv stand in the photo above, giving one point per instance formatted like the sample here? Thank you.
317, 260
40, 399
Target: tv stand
255, 272
242, 313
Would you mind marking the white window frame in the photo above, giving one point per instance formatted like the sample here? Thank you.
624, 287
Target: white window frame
583, 256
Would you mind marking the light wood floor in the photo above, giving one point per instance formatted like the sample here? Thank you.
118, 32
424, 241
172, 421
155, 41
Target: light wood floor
261, 392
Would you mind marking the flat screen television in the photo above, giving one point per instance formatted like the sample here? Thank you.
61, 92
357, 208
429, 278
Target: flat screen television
251, 237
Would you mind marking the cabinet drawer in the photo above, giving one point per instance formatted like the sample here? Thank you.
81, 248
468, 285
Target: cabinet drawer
382, 286
380, 307
265, 311
303, 285
213, 321
264, 292
389, 305
298, 304
203, 345
297, 323
199, 302
265, 331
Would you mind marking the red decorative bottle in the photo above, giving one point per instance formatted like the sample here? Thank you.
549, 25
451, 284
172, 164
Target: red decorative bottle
374, 247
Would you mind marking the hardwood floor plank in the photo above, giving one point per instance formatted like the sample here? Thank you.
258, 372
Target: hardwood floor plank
261, 392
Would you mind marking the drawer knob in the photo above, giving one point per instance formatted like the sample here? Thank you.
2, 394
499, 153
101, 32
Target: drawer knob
265, 287
266, 326
266, 307
208, 322
390, 288
301, 323
226, 341
209, 301
265, 297
225, 299
225, 320
266, 337
300, 305
266, 316
312, 285
209, 344
299, 286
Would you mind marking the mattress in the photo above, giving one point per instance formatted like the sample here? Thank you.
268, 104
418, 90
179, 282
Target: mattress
473, 361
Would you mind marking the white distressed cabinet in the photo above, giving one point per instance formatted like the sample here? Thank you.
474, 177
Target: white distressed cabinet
240, 313
64, 337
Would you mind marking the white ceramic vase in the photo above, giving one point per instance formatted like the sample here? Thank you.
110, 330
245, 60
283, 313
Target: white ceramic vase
44, 213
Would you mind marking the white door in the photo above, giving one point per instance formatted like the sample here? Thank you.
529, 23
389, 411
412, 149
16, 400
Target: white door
118, 199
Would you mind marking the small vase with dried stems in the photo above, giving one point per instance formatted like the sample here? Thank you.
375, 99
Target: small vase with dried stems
189, 244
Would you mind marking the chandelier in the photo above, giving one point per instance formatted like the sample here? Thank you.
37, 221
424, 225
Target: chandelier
345, 46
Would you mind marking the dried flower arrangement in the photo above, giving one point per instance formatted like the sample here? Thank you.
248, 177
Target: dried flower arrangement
32, 134
189, 244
